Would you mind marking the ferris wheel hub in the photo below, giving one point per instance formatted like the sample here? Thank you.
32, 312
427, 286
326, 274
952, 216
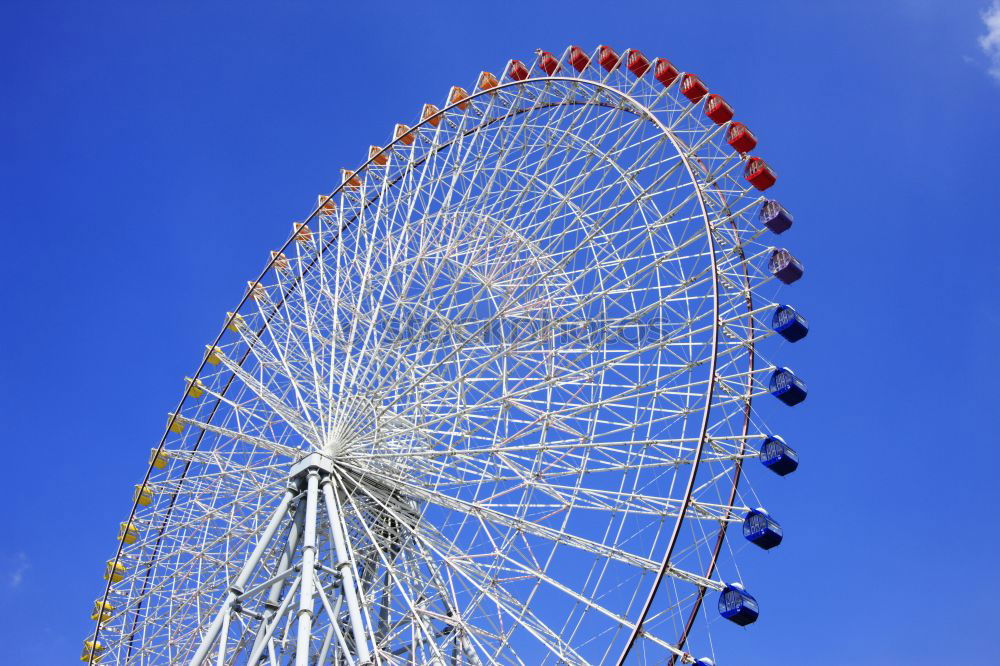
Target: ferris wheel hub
317, 461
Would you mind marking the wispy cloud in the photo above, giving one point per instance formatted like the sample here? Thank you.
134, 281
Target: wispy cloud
990, 42
18, 568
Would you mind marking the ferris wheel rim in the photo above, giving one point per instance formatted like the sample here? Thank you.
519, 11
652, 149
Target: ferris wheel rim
698, 187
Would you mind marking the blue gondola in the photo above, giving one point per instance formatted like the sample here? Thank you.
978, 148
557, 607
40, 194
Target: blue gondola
789, 324
786, 387
778, 456
737, 605
775, 217
761, 529
704, 661
784, 266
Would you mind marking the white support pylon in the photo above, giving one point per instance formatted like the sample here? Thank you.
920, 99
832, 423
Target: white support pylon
346, 568
283, 566
237, 587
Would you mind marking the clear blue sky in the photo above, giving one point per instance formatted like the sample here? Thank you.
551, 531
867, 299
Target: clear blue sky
151, 153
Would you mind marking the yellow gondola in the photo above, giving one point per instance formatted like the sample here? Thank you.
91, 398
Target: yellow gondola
102, 611
157, 459
92, 652
143, 495
114, 571
127, 533
195, 388
235, 322
213, 355
175, 425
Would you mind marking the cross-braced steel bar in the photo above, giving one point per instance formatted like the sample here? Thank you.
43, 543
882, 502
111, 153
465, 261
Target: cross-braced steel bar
346, 568
236, 589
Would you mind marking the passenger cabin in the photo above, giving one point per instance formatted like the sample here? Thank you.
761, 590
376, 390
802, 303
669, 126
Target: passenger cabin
637, 63
786, 387
578, 58
784, 266
760, 529
102, 611
607, 58
349, 179
547, 62
704, 661
775, 217
195, 388
789, 324
487, 81
737, 605
114, 571
235, 322
376, 156
718, 109
693, 88
740, 138
759, 174
326, 204
213, 355
517, 70
257, 291
92, 652
279, 261
174, 424
403, 134
430, 114
143, 495
459, 97
127, 533
301, 232
664, 72
157, 459
778, 457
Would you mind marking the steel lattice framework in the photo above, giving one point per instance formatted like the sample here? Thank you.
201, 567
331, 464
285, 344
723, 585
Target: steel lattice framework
490, 404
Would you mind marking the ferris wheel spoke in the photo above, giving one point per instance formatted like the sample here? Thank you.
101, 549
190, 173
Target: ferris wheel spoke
550, 534
505, 604
298, 422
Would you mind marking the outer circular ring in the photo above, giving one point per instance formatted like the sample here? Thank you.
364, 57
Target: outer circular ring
700, 187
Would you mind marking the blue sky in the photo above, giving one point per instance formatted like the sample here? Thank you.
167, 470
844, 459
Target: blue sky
153, 152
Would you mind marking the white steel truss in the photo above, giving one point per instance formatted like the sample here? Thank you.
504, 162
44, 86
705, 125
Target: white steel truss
490, 405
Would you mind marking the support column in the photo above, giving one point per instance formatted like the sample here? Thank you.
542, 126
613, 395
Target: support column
307, 590
274, 596
237, 587
343, 564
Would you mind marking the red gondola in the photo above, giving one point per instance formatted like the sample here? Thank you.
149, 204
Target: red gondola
759, 174
664, 71
547, 62
693, 88
517, 70
740, 138
578, 58
638, 64
608, 58
718, 109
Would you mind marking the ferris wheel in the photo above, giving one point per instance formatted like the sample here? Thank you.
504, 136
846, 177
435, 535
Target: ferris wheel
490, 403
